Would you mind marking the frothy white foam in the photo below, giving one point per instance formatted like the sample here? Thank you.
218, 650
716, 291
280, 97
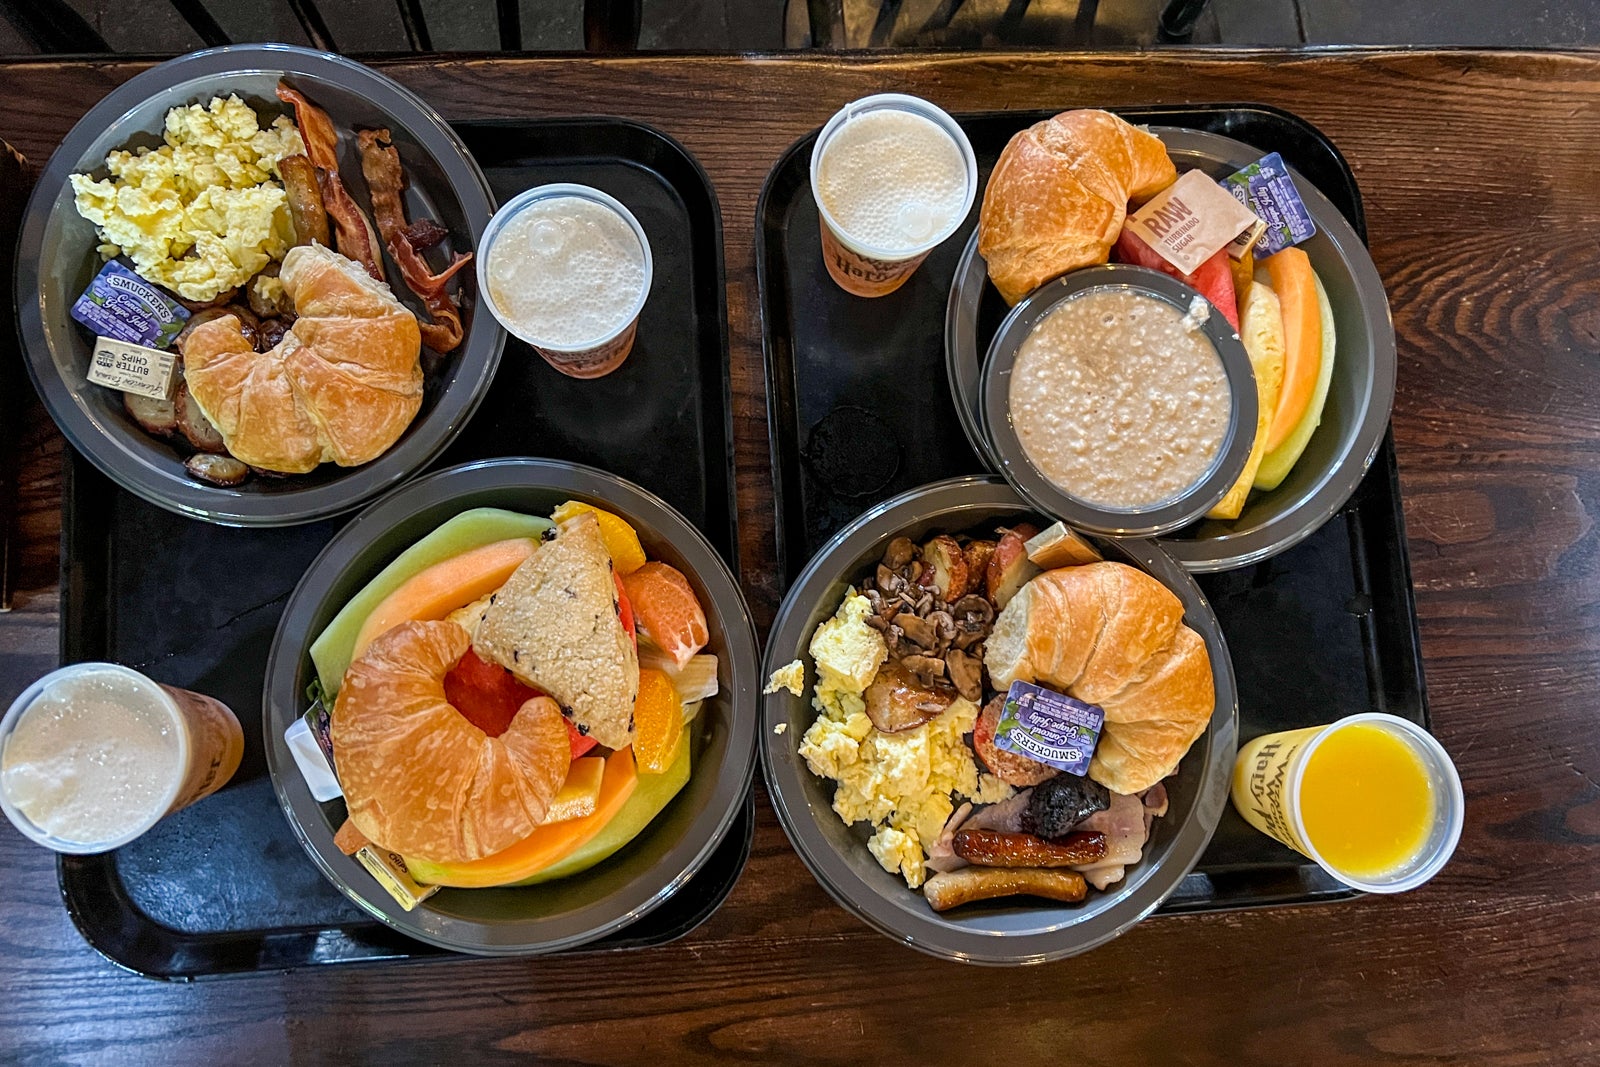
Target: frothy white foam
892, 180
566, 271
92, 758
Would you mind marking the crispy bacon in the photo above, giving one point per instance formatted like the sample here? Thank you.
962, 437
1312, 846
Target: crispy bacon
353, 233
423, 234
316, 129
386, 182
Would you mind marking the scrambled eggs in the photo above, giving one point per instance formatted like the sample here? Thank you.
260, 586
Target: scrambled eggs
791, 676
901, 782
201, 213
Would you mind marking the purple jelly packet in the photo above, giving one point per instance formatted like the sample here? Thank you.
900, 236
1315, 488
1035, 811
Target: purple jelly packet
1266, 188
1049, 727
123, 306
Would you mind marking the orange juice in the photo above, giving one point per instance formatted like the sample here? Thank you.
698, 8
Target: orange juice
1366, 802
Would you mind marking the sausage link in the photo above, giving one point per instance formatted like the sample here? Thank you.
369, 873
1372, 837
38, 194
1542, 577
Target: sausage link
952, 889
994, 848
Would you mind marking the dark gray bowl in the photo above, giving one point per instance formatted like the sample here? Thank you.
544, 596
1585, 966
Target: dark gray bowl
1360, 396
56, 259
569, 912
1003, 932
1050, 499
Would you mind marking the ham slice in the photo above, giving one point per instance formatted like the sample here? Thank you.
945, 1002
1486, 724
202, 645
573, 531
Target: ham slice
1125, 828
942, 853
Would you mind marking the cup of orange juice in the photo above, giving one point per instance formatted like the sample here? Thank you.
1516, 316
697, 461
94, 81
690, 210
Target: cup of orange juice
1373, 799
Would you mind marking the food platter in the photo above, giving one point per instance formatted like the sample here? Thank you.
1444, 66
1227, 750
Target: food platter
582, 907
56, 260
1002, 931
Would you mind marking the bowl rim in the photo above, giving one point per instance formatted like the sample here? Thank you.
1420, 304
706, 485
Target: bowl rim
999, 364
924, 930
1339, 482
291, 644
103, 444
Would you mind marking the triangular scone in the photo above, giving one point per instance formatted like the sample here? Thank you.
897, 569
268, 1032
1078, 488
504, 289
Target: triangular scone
555, 625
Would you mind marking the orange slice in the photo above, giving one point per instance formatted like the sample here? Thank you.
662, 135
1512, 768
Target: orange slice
664, 606
657, 722
627, 554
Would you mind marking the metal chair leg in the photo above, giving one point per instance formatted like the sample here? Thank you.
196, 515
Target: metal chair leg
611, 25
1178, 19
510, 18
416, 25
310, 19
200, 21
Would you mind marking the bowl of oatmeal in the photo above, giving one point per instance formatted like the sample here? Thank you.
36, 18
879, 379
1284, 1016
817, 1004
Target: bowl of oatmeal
1117, 402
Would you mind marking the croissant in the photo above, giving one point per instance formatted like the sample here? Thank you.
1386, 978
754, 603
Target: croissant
342, 385
417, 776
1111, 635
1059, 194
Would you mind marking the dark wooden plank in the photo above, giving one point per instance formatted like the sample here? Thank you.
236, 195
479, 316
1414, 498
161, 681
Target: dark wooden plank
1478, 174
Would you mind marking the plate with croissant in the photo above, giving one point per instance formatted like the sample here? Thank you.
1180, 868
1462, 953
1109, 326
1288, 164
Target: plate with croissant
897, 665
281, 234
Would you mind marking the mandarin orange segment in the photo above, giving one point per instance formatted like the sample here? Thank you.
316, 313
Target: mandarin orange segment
627, 554
665, 607
657, 722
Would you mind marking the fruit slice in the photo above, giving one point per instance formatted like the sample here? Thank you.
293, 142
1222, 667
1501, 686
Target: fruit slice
431, 594
665, 607
627, 555
649, 799
696, 681
657, 722
1277, 464
546, 845
1296, 285
1213, 279
330, 652
580, 793
1261, 330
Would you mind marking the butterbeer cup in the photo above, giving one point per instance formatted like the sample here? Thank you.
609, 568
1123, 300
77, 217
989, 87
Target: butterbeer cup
1383, 837
567, 269
95, 754
893, 177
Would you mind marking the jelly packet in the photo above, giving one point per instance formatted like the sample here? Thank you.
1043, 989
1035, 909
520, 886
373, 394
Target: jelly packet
1266, 188
1049, 727
124, 307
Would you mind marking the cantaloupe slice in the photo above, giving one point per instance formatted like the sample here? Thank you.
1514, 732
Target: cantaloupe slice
331, 651
1275, 466
1296, 285
431, 594
546, 845
648, 800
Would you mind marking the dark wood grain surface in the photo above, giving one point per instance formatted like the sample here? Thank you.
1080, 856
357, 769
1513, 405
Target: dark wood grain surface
1481, 176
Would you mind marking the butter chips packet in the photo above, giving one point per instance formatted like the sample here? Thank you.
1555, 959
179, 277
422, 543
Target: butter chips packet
1266, 188
1049, 727
124, 307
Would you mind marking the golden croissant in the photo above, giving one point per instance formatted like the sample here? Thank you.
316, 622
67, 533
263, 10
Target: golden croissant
342, 385
1111, 635
1059, 194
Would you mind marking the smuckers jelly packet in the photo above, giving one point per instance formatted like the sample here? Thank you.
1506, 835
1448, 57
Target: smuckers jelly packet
1049, 727
1266, 188
123, 306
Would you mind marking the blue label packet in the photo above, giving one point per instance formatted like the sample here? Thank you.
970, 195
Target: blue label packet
123, 306
1049, 727
1266, 188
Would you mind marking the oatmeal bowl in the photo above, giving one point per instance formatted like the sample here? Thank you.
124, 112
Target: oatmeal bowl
952, 760
1117, 401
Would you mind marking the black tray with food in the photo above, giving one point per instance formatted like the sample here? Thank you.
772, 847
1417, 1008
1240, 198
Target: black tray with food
860, 409
223, 886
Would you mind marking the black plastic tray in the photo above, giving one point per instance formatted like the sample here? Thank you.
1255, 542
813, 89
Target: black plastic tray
223, 886
860, 410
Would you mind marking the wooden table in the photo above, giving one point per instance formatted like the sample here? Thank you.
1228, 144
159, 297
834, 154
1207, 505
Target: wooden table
1480, 177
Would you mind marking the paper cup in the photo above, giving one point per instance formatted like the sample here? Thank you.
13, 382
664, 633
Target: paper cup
592, 357
205, 733
858, 267
1267, 778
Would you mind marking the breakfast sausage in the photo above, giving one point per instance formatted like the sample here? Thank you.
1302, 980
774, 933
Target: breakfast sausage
952, 889
306, 209
1009, 767
992, 848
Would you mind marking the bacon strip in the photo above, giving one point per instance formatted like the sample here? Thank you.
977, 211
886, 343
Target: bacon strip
353, 233
386, 182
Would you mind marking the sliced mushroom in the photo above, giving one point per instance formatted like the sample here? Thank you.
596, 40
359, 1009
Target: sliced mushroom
896, 700
944, 629
900, 552
216, 470
972, 608
158, 418
966, 674
888, 581
917, 630
194, 425
928, 670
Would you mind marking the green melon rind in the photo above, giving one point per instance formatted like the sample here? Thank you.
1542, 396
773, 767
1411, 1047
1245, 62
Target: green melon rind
332, 649
1276, 465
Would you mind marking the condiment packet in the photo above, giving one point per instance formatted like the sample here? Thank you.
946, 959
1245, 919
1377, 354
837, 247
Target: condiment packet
1267, 189
389, 868
1049, 727
308, 743
1190, 221
123, 306
133, 368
